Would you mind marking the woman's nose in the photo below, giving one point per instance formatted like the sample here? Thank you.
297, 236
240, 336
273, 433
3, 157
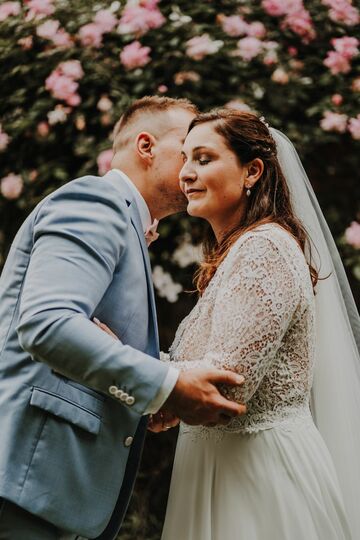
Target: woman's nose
187, 175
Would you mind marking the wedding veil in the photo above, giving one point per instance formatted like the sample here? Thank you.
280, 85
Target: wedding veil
335, 399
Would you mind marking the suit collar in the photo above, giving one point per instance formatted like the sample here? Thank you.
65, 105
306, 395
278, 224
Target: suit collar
143, 208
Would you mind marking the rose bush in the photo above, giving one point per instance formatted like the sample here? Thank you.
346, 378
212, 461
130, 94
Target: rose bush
68, 70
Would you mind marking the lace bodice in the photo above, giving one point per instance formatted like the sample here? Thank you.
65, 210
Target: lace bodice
256, 317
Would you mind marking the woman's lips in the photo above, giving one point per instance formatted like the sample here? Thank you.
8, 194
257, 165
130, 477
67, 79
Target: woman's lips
192, 192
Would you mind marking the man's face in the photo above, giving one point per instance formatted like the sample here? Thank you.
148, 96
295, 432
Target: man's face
168, 160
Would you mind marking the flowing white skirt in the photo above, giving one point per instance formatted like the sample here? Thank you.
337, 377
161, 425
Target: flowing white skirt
277, 484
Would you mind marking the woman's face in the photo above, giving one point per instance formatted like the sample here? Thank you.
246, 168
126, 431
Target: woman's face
212, 178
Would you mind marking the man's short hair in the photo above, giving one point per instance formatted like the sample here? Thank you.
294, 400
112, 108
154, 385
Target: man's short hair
149, 105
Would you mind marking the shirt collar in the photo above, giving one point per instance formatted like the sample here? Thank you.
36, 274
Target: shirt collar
143, 208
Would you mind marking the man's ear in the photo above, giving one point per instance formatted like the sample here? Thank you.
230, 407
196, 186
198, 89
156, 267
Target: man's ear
144, 146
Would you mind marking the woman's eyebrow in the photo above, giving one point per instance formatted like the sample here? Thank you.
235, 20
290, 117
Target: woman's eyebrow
197, 148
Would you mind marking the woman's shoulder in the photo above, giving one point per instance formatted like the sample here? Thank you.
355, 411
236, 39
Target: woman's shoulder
269, 242
271, 234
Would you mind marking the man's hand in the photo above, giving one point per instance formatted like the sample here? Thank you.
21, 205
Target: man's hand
197, 400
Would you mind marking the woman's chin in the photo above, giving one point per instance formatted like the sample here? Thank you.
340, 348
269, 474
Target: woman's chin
193, 210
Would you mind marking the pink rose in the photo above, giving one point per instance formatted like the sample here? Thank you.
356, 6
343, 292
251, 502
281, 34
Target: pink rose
62, 39
256, 29
140, 19
150, 4
346, 46
182, 77
355, 86
337, 99
334, 122
40, 8
352, 234
354, 127
62, 87
300, 22
200, 46
4, 139
239, 105
104, 104
26, 43
48, 29
249, 47
71, 69
275, 8
105, 20
271, 56
74, 100
292, 51
11, 186
234, 25
280, 76
91, 35
337, 63
9, 8
43, 129
135, 56
343, 12
346, 14
104, 160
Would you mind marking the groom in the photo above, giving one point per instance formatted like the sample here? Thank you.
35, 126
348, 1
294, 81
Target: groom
74, 402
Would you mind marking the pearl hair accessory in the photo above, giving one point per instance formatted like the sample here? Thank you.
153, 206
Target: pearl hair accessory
262, 119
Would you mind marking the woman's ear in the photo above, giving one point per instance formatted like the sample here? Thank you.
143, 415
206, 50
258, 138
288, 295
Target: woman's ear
144, 147
255, 170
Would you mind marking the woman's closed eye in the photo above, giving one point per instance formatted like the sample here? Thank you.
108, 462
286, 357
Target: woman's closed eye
203, 161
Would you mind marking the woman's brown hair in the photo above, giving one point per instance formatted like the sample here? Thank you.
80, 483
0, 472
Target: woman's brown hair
270, 202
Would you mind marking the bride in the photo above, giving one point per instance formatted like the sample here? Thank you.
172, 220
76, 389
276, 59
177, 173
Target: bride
288, 469
269, 474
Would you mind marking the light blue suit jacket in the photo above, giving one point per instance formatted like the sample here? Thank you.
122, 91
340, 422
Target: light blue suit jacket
65, 438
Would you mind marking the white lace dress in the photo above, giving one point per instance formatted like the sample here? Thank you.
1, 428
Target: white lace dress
267, 475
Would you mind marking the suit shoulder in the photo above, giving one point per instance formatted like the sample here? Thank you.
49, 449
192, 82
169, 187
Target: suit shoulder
86, 190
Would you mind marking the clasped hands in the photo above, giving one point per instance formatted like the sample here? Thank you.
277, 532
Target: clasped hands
196, 398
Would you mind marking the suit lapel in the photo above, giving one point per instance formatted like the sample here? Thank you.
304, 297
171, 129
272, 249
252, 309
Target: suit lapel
136, 221
125, 191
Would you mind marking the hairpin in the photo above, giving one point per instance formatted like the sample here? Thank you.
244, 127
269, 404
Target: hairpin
262, 119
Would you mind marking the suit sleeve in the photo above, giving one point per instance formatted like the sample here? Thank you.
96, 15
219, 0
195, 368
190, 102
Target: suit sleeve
79, 239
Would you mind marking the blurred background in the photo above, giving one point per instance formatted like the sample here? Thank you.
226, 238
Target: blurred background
68, 69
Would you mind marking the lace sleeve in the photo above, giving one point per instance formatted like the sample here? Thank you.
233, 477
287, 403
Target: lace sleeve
184, 365
254, 306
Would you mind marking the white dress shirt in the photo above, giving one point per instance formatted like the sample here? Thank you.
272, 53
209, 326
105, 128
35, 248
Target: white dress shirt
172, 374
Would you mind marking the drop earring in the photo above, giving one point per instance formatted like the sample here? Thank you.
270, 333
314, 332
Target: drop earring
248, 192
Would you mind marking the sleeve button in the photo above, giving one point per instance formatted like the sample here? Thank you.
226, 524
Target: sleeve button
128, 441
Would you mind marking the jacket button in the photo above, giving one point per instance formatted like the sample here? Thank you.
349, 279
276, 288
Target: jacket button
113, 389
119, 394
128, 441
124, 396
130, 400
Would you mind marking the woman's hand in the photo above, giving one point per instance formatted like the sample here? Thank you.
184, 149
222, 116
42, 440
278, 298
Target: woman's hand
105, 328
162, 421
